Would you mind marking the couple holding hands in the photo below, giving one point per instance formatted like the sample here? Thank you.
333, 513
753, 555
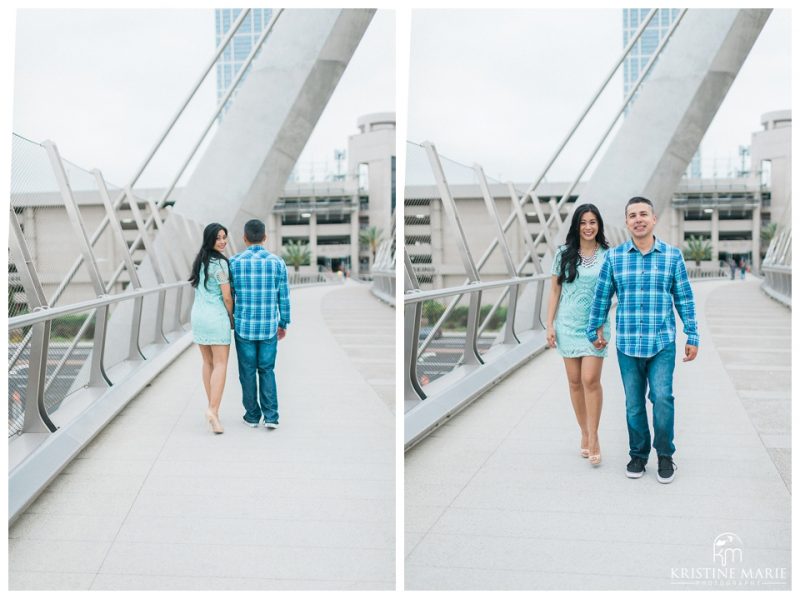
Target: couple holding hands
250, 294
647, 275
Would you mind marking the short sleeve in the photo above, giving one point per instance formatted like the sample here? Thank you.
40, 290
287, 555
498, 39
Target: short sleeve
557, 262
221, 273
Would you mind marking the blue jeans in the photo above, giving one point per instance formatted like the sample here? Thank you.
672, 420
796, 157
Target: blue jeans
258, 358
655, 372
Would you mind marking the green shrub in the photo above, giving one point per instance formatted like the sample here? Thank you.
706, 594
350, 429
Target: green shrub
66, 327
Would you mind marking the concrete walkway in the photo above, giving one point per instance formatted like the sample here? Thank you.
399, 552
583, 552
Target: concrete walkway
158, 502
499, 498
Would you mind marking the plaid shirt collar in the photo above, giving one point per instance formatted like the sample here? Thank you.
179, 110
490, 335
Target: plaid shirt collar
658, 246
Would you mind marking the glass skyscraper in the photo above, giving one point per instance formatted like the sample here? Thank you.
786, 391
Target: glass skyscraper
637, 60
242, 43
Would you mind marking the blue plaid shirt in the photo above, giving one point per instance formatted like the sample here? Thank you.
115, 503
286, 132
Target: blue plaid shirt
261, 293
646, 285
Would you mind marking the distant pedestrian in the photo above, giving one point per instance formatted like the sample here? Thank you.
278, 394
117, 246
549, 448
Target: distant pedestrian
742, 267
732, 264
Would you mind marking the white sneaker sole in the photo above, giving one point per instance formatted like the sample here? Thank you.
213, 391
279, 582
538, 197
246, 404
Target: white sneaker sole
665, 480
270, 425
634, 474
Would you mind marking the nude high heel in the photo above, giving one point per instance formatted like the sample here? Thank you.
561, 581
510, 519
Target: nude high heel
214, 423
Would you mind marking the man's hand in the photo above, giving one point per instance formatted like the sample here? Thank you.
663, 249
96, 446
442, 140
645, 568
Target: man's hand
281, 333
691, 353
600, 342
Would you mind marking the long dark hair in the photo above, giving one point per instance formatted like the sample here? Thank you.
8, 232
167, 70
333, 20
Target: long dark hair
206, 253
569, 256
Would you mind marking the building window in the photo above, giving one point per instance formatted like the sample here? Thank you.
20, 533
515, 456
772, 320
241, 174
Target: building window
418, 219
418, 239
363, 177
696, 214
735, 214
735, 235
700, 234
333, 218
333, 240
302, 240
295, 219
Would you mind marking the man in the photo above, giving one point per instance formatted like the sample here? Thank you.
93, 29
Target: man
261, 315
647, 275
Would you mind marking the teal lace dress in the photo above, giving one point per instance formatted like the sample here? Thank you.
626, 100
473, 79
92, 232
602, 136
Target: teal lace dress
572, 315
210, 322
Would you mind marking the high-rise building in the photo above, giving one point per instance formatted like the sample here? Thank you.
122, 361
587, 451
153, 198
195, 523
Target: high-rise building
637, 60
242, 43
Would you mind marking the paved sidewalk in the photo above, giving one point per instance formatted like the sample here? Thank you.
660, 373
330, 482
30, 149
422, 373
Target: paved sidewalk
753, 334
499, 498
159, 502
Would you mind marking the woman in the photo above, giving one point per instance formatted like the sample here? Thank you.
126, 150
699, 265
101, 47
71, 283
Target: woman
212, 316
575, 269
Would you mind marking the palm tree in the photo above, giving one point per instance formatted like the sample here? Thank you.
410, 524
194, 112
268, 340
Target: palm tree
371, 237
296, 254
697, 249
768, 232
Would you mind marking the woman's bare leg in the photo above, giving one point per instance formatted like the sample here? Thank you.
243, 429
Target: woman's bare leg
208, 366
220, 371
576, 394
593, 394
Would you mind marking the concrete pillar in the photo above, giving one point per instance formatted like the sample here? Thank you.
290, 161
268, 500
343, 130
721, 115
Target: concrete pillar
312, 239
756, 265
355, 263
715, 236
273, 241
675, 228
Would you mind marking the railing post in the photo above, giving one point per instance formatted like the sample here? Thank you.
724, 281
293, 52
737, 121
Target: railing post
134, 349
471, 355
148, 246
510, 336
411, 321
36, 419
97, 375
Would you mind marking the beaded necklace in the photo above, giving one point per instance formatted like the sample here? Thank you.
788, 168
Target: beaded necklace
588, 261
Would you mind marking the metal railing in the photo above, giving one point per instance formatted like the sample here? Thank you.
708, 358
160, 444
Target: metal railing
384, 268
128, 195
300, 279
777, 267
60, 378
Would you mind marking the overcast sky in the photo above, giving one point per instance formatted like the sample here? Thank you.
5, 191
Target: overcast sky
502, 88
103, 84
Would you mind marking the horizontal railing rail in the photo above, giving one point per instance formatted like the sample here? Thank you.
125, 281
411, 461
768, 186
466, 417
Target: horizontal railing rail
777, 267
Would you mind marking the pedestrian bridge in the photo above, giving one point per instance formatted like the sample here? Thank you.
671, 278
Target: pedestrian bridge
498, 497
156, 501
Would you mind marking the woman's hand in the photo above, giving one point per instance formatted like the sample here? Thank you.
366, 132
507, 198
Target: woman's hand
551, 336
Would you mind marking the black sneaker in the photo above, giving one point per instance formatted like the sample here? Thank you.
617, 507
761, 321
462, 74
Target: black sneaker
636, 468
666, 469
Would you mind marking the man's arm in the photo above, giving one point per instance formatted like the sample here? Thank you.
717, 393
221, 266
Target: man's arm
284, 313
601, 303
684, 302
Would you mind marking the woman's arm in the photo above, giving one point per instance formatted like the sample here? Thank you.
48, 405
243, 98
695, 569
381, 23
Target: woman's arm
227, 299
552, 308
